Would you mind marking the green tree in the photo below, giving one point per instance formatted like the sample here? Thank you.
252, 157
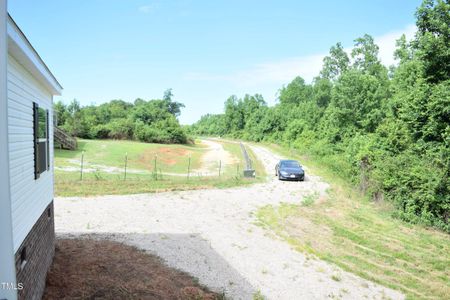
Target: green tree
295, 92
365, 56
61, 113
404, 52
234, 115
172, 106
336, 63
433, 39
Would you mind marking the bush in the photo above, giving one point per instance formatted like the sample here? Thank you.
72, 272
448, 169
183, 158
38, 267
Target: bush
99, 132
148, 121
120, 129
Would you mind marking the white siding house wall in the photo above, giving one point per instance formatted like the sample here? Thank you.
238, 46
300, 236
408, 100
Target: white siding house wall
29, 197
7, 265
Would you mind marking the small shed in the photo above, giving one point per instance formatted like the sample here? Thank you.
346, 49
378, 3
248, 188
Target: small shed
27, 235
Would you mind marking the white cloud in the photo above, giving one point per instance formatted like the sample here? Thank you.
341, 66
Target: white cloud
283, 71
271, 72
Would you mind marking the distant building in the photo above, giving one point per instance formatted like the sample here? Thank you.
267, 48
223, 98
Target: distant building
27, 236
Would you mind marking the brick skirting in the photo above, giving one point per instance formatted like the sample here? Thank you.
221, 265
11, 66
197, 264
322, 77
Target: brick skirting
35, 256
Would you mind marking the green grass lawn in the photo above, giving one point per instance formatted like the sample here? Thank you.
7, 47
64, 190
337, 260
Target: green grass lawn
360, 236
169, 158
140, 177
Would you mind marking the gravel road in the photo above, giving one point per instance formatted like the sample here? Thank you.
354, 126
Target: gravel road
211, 235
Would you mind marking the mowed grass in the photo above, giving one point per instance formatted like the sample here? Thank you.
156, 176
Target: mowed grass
119, 186
141, 156
171, 160
360, 236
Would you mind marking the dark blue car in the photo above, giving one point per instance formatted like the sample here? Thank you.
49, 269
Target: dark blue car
289, 170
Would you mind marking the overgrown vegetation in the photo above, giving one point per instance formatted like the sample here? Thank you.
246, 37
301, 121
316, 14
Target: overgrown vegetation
386, 130
361, 237
153, 121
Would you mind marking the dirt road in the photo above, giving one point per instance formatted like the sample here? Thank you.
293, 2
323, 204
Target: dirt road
211, 235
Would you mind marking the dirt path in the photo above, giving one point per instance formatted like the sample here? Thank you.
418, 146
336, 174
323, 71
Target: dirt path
211, 235
210, 160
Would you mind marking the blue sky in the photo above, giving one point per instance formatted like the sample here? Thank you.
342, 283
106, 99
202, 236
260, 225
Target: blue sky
204, 50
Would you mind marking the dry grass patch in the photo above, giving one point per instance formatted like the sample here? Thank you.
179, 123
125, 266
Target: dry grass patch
91, 269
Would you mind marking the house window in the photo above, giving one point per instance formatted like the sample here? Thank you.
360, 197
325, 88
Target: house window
41, 141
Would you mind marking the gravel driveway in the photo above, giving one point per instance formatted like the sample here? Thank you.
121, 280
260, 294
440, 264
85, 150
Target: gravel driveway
210, 234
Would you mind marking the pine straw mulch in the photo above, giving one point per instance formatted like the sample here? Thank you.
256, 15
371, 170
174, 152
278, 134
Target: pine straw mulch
101, 269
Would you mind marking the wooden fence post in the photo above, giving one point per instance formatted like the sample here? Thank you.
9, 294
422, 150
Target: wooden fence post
189, 167
126, 161
155, 171
81, 166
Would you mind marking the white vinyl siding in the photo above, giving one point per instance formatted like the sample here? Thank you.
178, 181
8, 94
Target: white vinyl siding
29, 197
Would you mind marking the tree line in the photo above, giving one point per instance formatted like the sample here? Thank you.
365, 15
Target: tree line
153, 121
385, 129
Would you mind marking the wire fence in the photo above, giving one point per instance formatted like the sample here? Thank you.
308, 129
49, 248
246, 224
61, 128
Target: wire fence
155, 170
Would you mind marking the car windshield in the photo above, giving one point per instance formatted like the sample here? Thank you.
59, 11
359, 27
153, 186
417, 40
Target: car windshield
290, 164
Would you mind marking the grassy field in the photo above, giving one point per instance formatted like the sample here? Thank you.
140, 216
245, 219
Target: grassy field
141, 156
104, 172
361, 237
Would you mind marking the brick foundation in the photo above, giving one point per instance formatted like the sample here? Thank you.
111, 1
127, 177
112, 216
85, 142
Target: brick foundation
35, 256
